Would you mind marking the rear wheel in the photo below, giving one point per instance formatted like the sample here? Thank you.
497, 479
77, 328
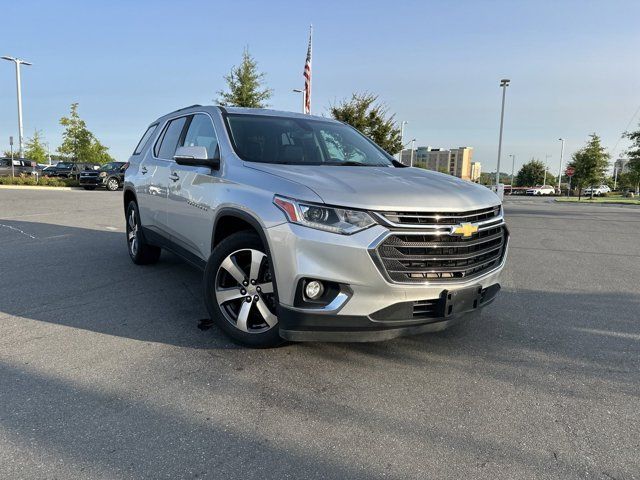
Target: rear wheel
240, 291
140, 251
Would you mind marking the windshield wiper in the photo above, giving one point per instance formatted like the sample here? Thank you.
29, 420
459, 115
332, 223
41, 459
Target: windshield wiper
350, 163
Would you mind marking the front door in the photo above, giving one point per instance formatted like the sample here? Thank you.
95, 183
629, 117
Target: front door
192, 191
155, 171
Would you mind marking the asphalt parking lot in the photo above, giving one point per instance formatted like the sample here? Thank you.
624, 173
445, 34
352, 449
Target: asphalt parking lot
104, 372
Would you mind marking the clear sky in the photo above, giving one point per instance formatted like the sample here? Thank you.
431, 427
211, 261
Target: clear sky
574, 65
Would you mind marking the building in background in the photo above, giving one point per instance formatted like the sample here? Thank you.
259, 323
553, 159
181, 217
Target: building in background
476, 170
455, 161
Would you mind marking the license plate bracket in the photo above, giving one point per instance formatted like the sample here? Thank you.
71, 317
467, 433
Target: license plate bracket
461, 300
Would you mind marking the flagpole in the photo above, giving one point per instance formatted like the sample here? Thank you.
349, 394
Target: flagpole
306, 97
311, 49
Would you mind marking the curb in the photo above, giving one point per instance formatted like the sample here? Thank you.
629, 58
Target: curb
35, 187
598, 203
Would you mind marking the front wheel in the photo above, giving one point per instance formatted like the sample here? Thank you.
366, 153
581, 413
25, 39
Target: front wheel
113, 184
140, 251
240, 291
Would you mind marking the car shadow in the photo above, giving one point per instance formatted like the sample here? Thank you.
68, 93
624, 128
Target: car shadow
83, 278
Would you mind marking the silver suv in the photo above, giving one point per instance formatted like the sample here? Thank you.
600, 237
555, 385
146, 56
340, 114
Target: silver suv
307, 230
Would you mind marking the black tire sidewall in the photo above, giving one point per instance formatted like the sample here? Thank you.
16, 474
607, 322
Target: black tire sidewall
237, 241
146, 253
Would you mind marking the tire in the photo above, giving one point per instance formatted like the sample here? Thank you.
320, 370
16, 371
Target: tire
140, 251
247, 312
89, 188
113, 184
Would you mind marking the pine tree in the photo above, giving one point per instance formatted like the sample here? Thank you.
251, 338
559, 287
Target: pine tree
78, 143
34, 148
245, 84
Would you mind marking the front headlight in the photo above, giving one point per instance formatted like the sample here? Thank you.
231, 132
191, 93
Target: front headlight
321, 217
102, 174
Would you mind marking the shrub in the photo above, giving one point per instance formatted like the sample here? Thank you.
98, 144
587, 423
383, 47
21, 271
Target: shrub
41, 181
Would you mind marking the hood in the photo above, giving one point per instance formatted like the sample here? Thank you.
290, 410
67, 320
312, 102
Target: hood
384, 188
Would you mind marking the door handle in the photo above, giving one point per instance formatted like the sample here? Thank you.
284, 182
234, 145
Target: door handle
143, 170
174, 177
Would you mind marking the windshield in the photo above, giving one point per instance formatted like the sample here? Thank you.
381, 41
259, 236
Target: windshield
108, 166
64, 165
294, 141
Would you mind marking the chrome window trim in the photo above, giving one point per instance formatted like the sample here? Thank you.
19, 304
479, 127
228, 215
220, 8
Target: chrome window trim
170, 119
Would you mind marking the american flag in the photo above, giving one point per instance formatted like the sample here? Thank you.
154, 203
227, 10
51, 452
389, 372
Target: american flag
307, 77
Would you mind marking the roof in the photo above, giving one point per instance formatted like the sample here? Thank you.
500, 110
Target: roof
275, 113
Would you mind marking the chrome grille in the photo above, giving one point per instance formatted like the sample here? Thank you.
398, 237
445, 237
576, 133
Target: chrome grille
449, 218
438, 256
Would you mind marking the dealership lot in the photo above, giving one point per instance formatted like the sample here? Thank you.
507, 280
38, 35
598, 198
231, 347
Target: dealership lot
107, 370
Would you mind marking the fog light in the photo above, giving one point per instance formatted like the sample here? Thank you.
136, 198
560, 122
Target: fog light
314, 289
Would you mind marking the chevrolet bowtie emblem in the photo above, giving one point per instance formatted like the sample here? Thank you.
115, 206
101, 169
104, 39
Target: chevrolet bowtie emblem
464, 230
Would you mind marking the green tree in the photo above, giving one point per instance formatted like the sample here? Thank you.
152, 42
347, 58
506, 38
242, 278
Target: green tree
489, 178
590, 164
34, 148
633, 153
78, 143
246, 85
532, 174
364, 112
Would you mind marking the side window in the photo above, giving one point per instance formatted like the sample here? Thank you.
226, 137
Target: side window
171, 138
145, 139
201, 134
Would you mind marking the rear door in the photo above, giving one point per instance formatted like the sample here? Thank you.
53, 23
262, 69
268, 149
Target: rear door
154, 171
192, 190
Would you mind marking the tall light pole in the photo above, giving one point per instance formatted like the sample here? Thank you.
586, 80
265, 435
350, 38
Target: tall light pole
546, 162
513, 168
504, 83
304, 97
561, 157
18, 62
402, 124
413, 148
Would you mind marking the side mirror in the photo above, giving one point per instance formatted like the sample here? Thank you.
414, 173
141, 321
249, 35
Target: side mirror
197, 157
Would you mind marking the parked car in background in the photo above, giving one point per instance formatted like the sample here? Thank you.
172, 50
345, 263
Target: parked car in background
597, 191
21, 166
70, 169
49, 171
109, 175
541, 190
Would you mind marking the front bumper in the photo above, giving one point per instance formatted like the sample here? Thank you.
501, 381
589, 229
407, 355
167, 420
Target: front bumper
391, 322
299, 252
90, 181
